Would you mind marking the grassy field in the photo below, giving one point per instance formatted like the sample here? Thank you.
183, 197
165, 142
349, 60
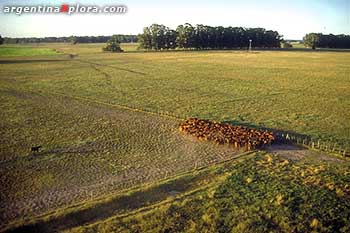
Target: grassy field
10, 51
303, 92
262, 193
104, 121
259, 195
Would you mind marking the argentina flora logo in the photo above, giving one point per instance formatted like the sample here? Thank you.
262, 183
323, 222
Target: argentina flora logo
64, 8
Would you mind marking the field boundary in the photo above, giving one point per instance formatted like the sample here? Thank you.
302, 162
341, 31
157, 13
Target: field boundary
313, 144
148, 209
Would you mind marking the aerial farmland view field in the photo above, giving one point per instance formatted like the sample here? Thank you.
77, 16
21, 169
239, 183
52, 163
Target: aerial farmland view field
127, 116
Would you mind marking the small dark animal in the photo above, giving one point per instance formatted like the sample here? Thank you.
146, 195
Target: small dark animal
72, 56
35, 148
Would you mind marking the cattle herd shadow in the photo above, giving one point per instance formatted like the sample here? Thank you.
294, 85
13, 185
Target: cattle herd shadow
280, 135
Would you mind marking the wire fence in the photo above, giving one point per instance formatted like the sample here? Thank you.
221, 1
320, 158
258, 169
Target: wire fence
315, 144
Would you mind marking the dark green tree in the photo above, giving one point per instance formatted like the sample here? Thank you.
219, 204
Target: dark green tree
73, 40
170, 39
186, 36
1, 40
206, 37
312, 40
157, 37
145, 39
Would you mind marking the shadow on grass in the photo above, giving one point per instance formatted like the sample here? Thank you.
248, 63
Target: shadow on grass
279, 134
111, 66
117, 205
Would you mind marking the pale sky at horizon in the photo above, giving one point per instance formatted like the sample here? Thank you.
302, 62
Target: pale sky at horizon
293, 19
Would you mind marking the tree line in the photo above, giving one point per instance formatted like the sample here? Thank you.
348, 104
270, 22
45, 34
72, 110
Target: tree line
158, 37
70, 39
320, 40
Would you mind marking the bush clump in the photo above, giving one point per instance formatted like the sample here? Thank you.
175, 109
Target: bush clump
113, 45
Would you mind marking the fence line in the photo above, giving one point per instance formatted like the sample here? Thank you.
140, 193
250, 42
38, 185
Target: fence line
330, 147
160, 113
315, 144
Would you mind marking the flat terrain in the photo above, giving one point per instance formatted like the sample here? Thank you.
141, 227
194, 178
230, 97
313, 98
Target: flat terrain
303, 92
88, 150
14, 51
108, 122
256, 192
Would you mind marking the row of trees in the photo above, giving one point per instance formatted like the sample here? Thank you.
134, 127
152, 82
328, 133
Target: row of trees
186, 36
71, 39
320, 40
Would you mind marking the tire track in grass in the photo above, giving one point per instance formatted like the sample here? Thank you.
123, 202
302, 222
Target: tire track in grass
121, 106
110, 66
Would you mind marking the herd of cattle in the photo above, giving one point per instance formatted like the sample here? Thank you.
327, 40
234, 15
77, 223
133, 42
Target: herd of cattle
238, 136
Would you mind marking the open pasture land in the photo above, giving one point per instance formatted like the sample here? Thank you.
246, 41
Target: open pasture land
304, 92
97, 115
20, 50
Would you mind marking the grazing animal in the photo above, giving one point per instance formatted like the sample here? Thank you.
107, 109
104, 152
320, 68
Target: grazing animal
35, 148
72, 56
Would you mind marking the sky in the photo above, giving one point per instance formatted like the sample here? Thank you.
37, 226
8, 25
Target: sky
292, 19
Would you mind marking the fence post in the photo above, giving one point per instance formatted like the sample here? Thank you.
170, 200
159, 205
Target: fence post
335, 144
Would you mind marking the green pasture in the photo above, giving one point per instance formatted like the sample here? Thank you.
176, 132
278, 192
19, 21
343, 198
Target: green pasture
13, 51
107, 122
302, 92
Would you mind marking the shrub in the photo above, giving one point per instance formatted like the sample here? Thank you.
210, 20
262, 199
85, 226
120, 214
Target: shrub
113, 45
